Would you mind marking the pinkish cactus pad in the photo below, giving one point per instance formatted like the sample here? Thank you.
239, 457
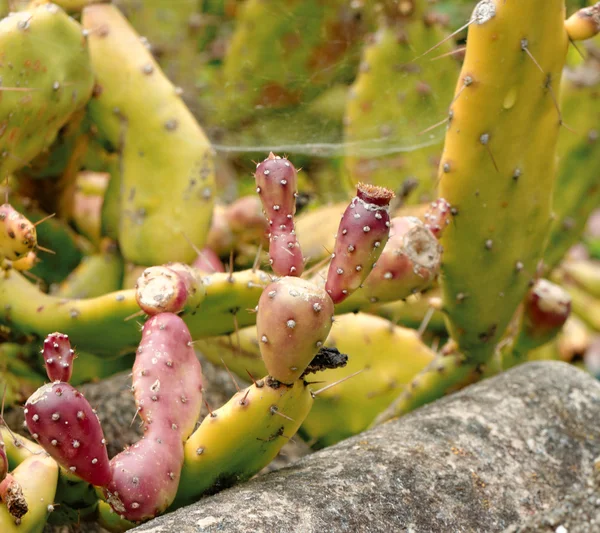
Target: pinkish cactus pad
293, 321
409, 262
62, 421
276, 184
58, 357
361, 237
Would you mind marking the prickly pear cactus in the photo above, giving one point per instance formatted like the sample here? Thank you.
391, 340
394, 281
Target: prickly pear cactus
396, 97
167, 168
42, 86
497, 169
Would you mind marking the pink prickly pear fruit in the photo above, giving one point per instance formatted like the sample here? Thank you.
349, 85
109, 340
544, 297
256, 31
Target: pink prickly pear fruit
437, 217
58, 357
547, 307
361, 237
167, 376
62, 421
169, 289
276, 184
293, 321
409, 262
18, 235
145, 476
208, 262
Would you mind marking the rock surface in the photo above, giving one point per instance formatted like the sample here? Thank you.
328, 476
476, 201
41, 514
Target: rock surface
496, 456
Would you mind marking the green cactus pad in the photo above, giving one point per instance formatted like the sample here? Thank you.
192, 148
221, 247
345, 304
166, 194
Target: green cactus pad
497, 169
46, 76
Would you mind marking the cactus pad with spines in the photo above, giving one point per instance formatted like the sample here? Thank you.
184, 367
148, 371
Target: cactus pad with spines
63, 422
42, 85
395, 97
361, 237
167, 178
497, 169
293, 320
239, 439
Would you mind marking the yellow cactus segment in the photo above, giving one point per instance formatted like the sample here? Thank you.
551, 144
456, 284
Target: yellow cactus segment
18, 448
394, 99
444, 375
38, 476
242, 437
498, 166
388, 358
229, 302
167, 182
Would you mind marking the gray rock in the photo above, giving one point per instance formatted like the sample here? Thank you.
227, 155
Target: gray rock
483, 460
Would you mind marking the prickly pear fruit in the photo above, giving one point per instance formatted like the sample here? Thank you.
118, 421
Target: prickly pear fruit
17, 234
410, 259
408, 264
547, 307
167, 376
437, 217
293, 320
584, 24
58, 357
276, 184
167, 385
63, 422
169, 288
362, 235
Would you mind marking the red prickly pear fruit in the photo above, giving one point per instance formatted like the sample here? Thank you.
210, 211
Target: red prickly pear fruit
145, 476
437, 217
58, 357
547, 307
276, 184
169, 289
62, 421
409, 262
362, 235
293, 321
208, 262
167, 375
18, 235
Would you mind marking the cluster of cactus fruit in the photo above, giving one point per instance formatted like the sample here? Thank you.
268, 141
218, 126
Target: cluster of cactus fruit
140, 233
